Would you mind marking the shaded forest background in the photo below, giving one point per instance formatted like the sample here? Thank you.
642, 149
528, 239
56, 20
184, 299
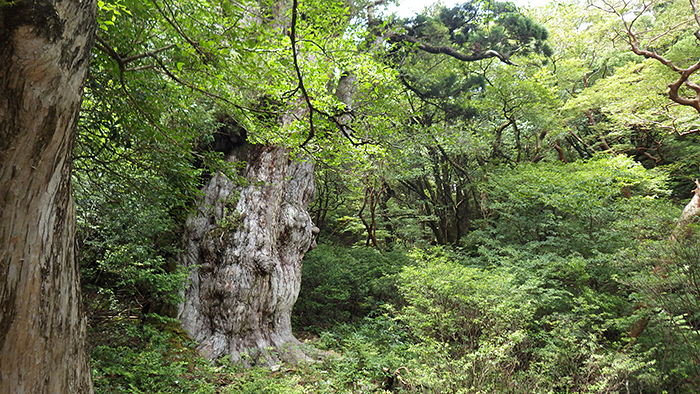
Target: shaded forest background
498, 192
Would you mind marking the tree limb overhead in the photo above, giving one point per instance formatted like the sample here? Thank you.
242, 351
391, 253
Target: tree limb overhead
449, 51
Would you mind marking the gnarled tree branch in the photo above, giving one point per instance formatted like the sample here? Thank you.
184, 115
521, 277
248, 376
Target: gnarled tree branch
633, 39
449, 51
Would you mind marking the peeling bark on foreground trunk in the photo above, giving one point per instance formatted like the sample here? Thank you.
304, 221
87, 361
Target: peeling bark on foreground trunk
44, 52
244, 248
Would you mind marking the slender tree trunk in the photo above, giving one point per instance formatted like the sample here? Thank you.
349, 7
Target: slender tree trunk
45, 48
244, 247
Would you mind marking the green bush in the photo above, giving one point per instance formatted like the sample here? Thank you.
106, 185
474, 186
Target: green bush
665, 275
127, 247
129, 356
522, 323
460, 305
341, 284
569, 208
368, 354
469, 324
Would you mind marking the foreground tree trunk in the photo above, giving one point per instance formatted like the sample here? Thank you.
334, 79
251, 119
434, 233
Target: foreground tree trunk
244, 248
45, 48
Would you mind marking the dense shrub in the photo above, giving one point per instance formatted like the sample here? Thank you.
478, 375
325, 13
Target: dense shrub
469, 324
569, 208
524, 324
460, 305
342, 284
127, 246
130, 356
666, 279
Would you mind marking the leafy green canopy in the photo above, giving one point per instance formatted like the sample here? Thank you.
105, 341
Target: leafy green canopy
572, 207
343, 285
437, 55
479, 26
618, 98
194, 62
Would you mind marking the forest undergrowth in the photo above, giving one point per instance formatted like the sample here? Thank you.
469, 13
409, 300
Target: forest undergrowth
497, 193
525, 305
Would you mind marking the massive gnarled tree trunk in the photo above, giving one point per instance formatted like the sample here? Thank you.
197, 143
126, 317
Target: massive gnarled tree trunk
244, 247
45, 48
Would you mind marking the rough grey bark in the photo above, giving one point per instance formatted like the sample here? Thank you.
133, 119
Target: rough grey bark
45, 48
244, 248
